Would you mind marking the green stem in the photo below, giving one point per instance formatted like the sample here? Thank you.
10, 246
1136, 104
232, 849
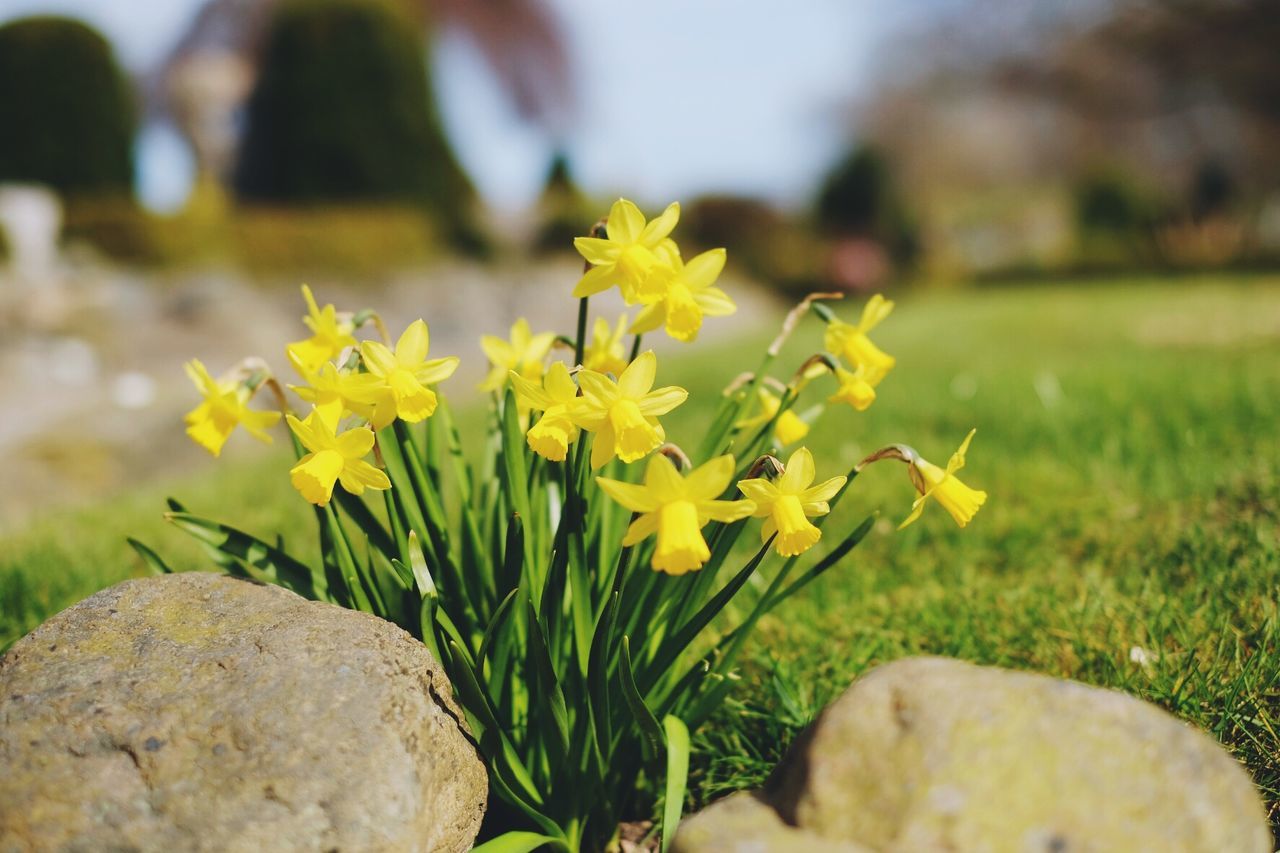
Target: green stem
580, 345
635, 348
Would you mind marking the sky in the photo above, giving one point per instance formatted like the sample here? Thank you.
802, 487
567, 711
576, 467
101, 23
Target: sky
676, 98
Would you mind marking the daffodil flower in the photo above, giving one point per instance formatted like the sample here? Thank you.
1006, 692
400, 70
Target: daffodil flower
789, 503
406, 373
330, 335
624, 414
855, 387
852, 343
626, 256
605, 352
333, 458
335, 392
689, 294
525, 354
225, 406
677, 508
956, 498
551, 436
789, 427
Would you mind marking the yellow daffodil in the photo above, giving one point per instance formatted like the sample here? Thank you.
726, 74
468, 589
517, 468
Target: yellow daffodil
605, 352
789, 427
551, 436
334, 393
689, 294
407, 372
331, 334
224, 407
624, 414
333, 458
626, 256
525, 354
852, 343
855, 387
956, 498
677, 508
790, 502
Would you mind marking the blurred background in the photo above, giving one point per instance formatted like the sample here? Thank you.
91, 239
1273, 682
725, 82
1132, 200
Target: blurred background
1076, 206
170, 172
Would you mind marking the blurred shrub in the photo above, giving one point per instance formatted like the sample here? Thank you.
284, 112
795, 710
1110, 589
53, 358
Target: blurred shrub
859, 199
1213, 191
762, 242
1116, 216
350, 240
564, 212
66, 111
342, 112
117, 226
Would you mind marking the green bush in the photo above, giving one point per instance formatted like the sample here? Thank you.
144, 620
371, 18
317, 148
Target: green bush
66, 109
859, 198
342, 113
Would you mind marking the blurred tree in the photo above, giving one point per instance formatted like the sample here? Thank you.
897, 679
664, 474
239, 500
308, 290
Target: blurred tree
564, 212
859, 198
342, 111
66, 109
1212, 190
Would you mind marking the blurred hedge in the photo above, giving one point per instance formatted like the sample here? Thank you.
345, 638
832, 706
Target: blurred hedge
66, 109
342, 113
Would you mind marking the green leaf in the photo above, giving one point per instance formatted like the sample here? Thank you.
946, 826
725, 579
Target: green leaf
677, 776
519, 842
552, 696
151, 558
673, 646
644, 718
271, 564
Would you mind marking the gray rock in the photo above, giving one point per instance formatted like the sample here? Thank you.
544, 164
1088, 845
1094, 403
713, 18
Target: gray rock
934, 754
200, 712
745, 823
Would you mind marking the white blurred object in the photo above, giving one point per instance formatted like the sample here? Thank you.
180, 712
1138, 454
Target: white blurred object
133, 390
71, 361
31, 217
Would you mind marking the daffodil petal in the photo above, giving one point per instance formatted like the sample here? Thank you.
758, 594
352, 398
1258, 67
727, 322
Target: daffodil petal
354, 443
412, 347
377, 358
710, 479
652, 317
595, 280
640, 529
559, 384
637, 379
726, 511
663, 480
824, 491
633, 496
799, 474
436, 370
663, 400
702, 270
657, 230
625, 222
957, 459
761, 491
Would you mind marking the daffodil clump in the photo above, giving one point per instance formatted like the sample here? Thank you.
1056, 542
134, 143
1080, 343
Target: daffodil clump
563, 565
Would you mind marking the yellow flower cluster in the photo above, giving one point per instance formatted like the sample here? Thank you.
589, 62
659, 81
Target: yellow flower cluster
357, 388
677, 507
644, 263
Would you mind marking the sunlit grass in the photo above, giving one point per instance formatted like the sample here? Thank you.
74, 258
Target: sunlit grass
1128, 434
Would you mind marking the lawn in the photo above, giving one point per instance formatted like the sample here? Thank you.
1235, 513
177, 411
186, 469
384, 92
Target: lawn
1129, 437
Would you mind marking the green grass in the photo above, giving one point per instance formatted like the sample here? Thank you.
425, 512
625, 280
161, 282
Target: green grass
1129, 437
